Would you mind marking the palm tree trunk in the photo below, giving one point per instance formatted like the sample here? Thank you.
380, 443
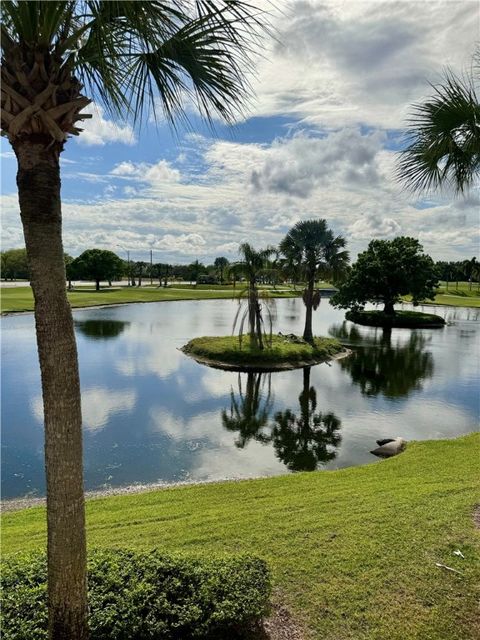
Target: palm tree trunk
389, 308
38, 181
251, 313
258, 317
307, 333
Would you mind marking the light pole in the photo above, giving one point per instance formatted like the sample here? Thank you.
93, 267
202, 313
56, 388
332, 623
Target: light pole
151, 267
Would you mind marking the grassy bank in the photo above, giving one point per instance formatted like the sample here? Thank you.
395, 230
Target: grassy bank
277, 352
352, 551
461, 296
16, 299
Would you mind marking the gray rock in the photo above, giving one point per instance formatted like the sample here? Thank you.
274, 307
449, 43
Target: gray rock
389, 448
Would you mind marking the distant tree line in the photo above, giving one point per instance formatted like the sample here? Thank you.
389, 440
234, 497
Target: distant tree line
280, 265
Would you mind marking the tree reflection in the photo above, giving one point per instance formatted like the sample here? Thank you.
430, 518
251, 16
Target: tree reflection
100, 329
250, 409
379, 367
301, 442
305, 441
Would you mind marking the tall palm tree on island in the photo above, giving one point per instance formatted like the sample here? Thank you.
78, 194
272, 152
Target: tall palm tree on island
313, 246
126, 55
252, 264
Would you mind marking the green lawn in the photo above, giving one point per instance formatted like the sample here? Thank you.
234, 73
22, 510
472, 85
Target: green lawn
21, 298
352, 552
462, 296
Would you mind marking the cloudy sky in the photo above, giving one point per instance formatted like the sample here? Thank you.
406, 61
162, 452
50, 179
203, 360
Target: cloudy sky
332, 94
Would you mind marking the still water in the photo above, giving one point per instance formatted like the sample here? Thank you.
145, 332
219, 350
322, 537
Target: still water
151, 414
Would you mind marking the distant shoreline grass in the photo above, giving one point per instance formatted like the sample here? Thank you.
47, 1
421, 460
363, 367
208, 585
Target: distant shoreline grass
20, 299
353, 552
279, 353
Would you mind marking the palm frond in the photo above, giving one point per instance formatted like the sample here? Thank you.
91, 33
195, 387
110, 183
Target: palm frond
443, 139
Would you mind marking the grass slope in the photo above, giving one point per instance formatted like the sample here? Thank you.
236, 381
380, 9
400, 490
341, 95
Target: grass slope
227, 349
352, 551
21, 298
461, 296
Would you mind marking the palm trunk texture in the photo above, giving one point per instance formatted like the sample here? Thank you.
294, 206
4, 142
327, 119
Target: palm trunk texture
307, 333
38, 181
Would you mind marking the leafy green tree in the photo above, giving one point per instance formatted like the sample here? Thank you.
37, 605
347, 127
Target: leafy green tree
125, 54
386, 271
444, 137
310, 244
14, 264
469, 268
69, 269
98, 265
252, 266
140, 270
304, 441
221, 265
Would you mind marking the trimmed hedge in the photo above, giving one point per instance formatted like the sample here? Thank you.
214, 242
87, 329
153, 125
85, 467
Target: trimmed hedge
140, 596
401, 319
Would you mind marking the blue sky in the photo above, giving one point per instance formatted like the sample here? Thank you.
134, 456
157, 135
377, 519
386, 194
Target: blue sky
332, 94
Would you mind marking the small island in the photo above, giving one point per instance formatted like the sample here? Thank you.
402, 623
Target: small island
400, 319
383, 274
280, 354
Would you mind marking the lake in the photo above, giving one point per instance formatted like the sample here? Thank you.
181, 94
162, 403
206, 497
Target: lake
151, 414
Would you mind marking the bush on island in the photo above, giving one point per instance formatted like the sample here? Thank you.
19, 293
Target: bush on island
135, 596
401, 319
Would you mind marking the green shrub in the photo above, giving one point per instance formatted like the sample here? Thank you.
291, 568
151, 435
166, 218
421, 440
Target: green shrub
140, 596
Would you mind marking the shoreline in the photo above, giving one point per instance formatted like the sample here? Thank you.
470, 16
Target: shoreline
125, 302
10, 505
272, 368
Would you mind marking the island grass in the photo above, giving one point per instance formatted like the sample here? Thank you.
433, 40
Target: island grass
15, 299
278, 350
353, 552
405, 319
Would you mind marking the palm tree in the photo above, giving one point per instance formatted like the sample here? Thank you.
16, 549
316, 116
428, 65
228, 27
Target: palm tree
125, 54
252, 266
444, 138
312, 245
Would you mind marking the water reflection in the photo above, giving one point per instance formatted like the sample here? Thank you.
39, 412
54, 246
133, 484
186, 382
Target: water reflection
301, 441
305, 441
100, 329
153, 415
380, 366
250, 409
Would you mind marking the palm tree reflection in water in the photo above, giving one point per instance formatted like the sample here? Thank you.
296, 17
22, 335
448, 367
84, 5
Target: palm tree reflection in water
302, 442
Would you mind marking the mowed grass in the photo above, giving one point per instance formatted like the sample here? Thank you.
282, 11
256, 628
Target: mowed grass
353, 552
14, 299
461, 296
277, 350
